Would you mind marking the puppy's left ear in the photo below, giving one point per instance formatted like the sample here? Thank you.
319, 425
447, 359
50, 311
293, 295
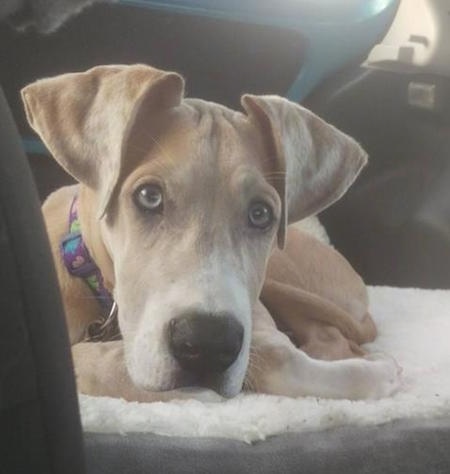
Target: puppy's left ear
316, 162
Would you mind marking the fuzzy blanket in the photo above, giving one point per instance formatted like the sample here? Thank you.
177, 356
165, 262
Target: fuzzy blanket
414, 327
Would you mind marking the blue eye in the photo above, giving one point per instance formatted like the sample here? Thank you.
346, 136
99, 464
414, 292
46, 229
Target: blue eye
260, 215
149, 197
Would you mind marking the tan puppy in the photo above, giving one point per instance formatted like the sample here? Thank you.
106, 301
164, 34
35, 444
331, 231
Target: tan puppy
182, 203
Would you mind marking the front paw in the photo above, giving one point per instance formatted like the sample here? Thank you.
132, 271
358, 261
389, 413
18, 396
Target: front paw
382, 377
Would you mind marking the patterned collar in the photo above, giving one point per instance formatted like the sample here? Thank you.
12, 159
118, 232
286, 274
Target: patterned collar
79, 263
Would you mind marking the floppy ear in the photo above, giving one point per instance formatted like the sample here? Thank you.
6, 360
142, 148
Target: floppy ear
85, 119
313, 163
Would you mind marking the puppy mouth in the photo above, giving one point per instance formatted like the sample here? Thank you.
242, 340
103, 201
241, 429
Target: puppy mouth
186, 381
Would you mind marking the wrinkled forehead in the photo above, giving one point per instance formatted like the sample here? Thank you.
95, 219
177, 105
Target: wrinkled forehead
203, 143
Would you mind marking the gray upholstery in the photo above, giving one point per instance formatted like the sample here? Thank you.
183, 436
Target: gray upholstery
407, 446
44, 15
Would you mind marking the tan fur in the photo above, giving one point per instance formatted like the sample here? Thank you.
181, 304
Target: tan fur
316, 294
124, 125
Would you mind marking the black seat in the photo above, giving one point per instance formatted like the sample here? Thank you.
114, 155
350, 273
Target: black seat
39, 418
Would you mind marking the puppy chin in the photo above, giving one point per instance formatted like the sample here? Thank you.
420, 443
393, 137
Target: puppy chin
162, 384
152, 376
226, 385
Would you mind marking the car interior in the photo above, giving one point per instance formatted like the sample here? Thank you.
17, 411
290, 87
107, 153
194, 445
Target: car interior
377, 70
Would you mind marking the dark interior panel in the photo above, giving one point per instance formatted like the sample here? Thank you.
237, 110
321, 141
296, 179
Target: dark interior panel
220, 59
394, 223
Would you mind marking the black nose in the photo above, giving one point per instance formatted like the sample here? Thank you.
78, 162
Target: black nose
205, 343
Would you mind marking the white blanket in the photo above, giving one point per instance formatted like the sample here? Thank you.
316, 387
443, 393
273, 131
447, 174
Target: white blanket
414, 327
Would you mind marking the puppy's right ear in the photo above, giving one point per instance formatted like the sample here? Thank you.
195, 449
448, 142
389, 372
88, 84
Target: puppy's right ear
85, 119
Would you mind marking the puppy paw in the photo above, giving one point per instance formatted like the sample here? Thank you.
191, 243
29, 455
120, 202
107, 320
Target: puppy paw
384, 376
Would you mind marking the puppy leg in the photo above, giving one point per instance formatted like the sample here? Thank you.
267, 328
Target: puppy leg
100, 371
278, 367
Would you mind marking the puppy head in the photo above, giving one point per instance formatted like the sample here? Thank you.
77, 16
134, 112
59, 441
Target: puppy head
190, 197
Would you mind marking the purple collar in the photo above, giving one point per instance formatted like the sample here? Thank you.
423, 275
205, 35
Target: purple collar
79, 263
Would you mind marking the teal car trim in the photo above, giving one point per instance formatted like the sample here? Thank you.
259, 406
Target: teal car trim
337, 31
